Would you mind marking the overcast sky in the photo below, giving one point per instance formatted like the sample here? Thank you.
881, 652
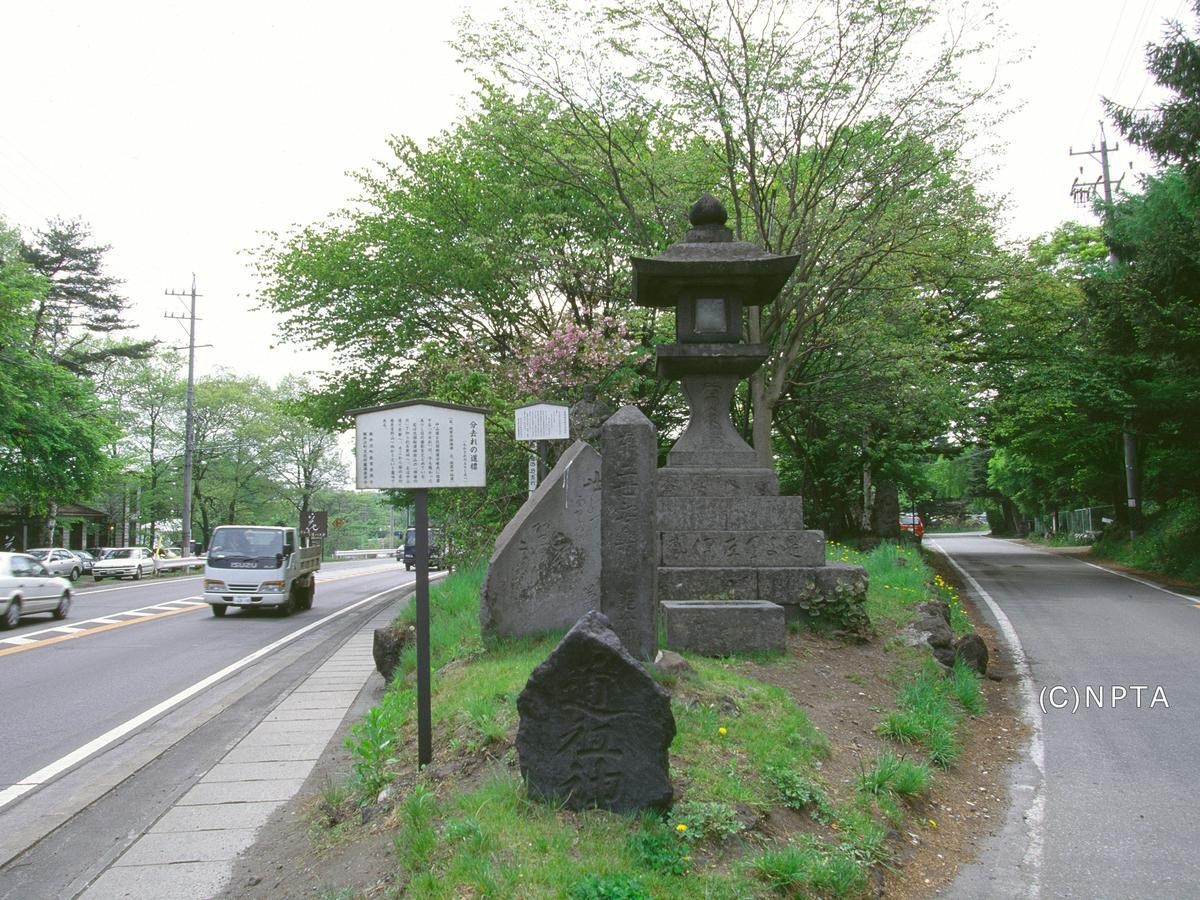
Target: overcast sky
182, 131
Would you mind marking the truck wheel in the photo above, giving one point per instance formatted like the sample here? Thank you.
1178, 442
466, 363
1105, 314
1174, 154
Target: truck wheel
290, 605
219, 609
307, 594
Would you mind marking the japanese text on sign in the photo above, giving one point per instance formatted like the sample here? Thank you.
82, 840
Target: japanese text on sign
543, 422
420, 446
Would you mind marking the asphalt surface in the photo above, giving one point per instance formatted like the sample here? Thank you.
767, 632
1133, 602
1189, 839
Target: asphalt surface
65, 690
1105, 805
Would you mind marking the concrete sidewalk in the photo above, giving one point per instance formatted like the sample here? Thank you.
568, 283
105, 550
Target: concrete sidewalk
189, 851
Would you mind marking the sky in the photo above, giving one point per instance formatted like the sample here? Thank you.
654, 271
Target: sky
183, 133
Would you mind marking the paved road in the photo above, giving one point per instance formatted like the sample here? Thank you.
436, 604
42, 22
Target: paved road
87, 699
1105, 807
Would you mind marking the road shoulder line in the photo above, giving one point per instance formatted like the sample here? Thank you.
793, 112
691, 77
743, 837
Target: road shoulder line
1035, 810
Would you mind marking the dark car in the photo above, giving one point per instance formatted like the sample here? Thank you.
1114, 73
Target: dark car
408, 553
87, 559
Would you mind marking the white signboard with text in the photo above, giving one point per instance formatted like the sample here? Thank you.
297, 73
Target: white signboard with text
543, 422
420, 445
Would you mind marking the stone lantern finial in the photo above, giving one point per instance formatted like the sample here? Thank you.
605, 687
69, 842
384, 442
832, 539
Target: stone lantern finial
708, 218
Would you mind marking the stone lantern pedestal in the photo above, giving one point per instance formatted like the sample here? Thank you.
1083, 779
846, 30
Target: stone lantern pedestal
735, 560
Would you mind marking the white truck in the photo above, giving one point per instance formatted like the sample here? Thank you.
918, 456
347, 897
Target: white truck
256, 567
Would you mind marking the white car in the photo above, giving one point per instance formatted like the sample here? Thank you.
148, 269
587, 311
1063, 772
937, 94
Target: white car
125, 562
58, 561
26, 586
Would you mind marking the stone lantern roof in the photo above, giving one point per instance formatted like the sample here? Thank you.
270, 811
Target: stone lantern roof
709, 262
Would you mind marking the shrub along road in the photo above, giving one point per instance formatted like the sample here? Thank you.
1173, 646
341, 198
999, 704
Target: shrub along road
1104, 806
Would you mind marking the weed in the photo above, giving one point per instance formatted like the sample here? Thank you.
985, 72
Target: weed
893, 774
608, 887
416, 839
706, 819
964, 685
372, 742
334, 795
813, 868
795, 790
657, 848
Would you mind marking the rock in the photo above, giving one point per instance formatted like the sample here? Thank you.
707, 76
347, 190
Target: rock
672, 663
629, 530
972, 650
545, 571
595, 726
936, 608
386, 648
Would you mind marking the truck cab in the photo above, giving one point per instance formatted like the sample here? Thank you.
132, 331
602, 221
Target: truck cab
259, 567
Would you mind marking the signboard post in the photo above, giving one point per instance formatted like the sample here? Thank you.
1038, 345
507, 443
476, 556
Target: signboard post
539, 423
417, 445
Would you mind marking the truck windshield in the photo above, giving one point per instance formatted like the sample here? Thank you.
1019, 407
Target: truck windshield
245, 543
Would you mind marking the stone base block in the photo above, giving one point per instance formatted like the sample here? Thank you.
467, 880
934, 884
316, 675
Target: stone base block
742, 548
731, 514
707, 584
717, 482
799, 586
719, 629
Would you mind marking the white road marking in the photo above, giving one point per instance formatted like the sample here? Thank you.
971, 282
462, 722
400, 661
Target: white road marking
1142, 581
66, 629
18, 641
106, 619
1036, 812
44, 774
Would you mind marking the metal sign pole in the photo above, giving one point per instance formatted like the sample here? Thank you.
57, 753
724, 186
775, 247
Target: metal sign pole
424, 714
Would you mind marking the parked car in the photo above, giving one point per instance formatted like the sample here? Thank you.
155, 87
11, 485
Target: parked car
408, 553
58, 561
912, 523
87, 559
26, 586
100, 552
125, 562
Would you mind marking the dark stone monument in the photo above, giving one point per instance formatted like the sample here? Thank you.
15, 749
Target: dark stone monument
595, 726
628, 529
727, 537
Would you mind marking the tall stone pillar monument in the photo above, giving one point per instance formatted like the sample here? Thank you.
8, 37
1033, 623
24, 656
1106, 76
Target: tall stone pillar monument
733, 553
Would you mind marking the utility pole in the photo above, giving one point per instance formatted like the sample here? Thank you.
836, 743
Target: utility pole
188, 436
1084, 193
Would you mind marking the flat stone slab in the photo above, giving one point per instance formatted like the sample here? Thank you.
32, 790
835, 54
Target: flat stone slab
545, 570
731, 514
215, 816
595, 726
717, 482
742, 548
179, 881
202, 846
722, 629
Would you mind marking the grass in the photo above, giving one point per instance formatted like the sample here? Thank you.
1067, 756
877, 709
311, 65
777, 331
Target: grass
742, 748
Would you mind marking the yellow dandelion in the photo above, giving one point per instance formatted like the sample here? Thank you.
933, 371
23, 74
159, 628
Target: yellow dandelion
721, 730
681, 828
932, 824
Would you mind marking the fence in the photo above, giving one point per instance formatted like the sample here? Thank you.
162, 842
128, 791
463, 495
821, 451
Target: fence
1085, 523
362, 554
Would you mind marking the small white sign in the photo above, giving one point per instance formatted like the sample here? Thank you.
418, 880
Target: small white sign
533, 474
420, 444
543, 422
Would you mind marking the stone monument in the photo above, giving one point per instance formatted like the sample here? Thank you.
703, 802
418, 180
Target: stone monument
545, 570
628, 530
726, 535
595, 726
588, 415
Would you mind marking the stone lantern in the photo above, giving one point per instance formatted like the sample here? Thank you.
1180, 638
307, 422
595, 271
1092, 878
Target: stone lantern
709, 279
735, 560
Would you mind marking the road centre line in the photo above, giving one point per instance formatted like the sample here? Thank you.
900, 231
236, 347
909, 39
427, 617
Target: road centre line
153, 582
107, 622
1035, 813
62, 764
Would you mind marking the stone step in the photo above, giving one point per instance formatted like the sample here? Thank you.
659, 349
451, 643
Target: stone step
725, 583
719, 629
717, 482
731, 513
741, 548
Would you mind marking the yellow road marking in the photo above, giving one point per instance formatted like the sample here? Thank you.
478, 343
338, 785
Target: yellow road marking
97, 630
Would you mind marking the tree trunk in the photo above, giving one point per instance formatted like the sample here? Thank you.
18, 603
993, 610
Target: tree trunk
51, 523
885, 512
866, 483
